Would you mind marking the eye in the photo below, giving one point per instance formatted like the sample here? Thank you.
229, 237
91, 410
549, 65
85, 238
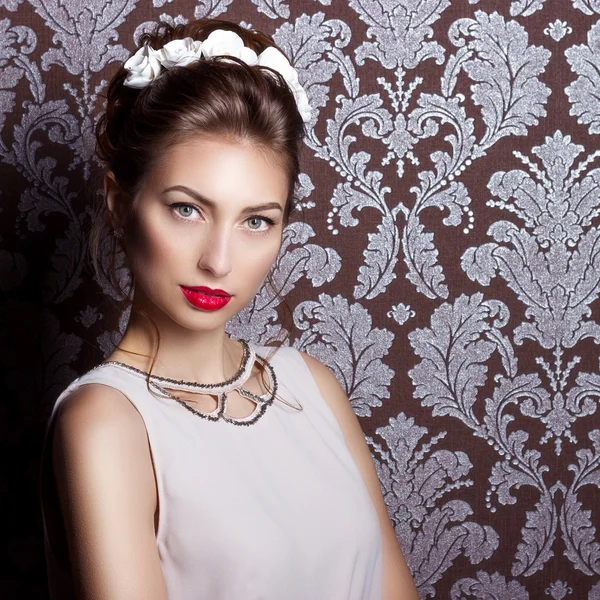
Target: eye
256, 223
184, 211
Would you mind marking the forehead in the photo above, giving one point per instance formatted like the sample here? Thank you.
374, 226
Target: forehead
234, 172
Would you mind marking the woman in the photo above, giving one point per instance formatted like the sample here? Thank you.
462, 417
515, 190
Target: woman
189, 465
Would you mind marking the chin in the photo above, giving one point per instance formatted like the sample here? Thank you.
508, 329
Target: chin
202, 320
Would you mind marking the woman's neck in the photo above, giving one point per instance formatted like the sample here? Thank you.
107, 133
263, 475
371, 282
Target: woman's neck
203, 357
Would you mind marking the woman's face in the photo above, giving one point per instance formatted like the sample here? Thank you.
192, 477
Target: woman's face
209, 216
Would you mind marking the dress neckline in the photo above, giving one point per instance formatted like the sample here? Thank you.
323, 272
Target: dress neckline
219, 413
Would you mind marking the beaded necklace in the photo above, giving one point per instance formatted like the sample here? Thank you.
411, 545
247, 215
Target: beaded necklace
220, 390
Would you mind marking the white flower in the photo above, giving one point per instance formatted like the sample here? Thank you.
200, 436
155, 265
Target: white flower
276, 60
222, 42
302, 102
179, 53
143, 67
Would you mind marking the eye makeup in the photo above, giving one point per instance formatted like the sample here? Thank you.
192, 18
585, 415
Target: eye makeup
176, 205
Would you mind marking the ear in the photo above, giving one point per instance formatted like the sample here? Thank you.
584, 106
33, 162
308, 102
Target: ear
116, 201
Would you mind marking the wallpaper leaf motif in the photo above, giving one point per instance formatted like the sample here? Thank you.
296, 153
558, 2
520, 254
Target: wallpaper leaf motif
486, 586
340, 334
415, 479
274, 9
11, 5
535, 548
84, 31
16, 43
400, 32
558, 29
381, 253
581, 547
203, 8
594, 592
589, 7
505, 69
511, 96
583, 93
525, 8
552, 263
454, 354
435, 190
10, 75
49, 194
315, 48
464, 326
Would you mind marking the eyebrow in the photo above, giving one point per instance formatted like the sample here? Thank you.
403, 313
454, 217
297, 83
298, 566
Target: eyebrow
204, 200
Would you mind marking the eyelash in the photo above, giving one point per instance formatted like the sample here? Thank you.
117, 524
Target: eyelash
267, 220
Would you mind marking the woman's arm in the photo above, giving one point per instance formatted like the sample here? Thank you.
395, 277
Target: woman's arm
102, 465
397, 580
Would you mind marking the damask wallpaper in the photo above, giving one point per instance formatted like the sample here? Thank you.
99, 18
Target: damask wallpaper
446, 266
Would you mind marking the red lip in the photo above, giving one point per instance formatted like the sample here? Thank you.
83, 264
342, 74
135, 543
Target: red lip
206, 290
205, 298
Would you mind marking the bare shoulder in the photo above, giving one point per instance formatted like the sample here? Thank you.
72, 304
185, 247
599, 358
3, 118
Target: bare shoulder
96, 416
107, 491
94, 406
96, 427
93, 397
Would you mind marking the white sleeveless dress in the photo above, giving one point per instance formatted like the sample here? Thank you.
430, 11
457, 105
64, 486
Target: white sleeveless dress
273, 510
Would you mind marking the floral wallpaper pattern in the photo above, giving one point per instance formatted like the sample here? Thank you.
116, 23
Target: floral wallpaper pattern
446, 266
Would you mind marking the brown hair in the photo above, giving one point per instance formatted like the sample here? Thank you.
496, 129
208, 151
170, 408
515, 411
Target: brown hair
213, 97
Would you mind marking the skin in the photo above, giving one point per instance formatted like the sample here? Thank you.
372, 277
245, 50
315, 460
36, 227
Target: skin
222, 228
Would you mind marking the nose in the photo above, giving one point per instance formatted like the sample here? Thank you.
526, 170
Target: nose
215, 255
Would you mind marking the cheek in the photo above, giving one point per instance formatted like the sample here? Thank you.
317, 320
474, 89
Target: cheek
153, 244
257, 263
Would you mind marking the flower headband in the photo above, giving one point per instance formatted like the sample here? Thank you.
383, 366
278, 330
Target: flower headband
145, 65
